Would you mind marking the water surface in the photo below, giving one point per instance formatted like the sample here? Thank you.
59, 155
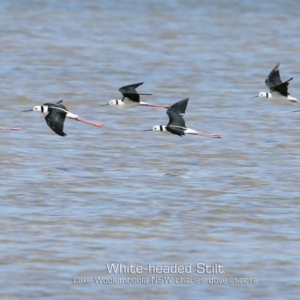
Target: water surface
71, 205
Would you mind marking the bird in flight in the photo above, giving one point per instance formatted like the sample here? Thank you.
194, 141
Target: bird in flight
278, 89
131, 98
55, 115
176, 123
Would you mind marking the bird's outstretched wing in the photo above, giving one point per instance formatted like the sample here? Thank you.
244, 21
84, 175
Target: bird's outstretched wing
175, 113
282, 88
130, 92
131, 88
132, 97
274, 82
175, 119
273, 79
175, 130
180, 107
55, 120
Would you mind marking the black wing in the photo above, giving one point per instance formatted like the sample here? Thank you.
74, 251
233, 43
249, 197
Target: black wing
180, 106
282, 88
176, 123
130, 92
175, 130
274, 82
176, 112
132, 97
55, 120
273, 78
130, 89
175, 119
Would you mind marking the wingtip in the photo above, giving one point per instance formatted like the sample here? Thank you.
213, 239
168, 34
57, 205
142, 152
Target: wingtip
61, 134
139, 83
133, 85
275, 68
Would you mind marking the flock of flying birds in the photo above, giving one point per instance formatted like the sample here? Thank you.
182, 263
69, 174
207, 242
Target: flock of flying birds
56, 113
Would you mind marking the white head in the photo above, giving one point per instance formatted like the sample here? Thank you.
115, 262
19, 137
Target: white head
157, 128
261, 95
39, 108
114, 102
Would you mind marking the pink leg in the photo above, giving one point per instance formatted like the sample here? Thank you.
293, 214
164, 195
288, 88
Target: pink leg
295, 101
213, 135
152, 105
15, 128
89, 122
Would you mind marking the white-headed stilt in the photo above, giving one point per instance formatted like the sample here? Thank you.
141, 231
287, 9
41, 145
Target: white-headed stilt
131, 98
55, 115
176, 123
278, 89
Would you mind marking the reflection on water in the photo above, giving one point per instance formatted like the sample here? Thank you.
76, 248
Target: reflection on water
70, 205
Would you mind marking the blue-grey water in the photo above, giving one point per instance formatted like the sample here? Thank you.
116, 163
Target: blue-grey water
71, 205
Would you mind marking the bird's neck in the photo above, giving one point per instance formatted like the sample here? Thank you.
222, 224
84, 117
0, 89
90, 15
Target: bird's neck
268, 95
45, 109
120, 101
